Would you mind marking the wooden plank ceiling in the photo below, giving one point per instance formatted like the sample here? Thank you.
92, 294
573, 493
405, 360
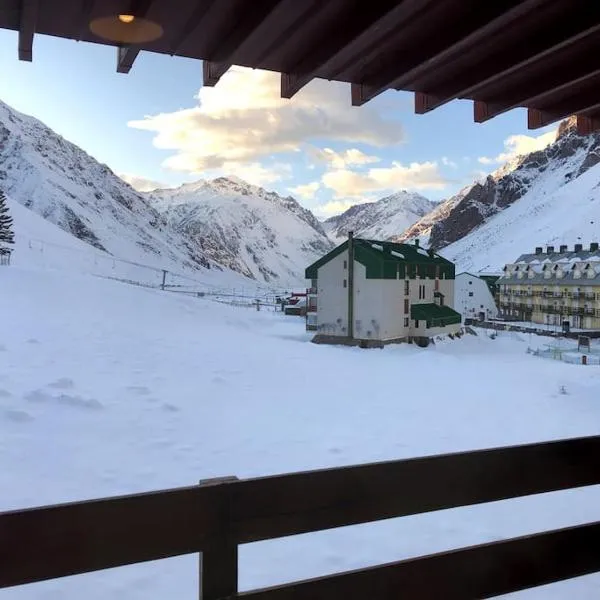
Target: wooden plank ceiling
540, 54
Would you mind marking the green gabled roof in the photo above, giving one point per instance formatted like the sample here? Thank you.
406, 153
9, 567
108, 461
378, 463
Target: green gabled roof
383, 260
435, 315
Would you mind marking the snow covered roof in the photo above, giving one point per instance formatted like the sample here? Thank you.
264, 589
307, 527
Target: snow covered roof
382, 259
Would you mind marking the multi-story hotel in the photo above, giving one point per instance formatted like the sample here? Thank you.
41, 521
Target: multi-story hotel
553, 287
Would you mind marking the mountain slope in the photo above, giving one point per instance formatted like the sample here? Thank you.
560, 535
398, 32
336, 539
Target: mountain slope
568, 214
245, 228
528, 187
66, 186
381, 220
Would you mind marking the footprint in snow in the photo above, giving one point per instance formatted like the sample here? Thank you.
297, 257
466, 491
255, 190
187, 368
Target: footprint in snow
18, 416
64, 383
140, 390
64, 399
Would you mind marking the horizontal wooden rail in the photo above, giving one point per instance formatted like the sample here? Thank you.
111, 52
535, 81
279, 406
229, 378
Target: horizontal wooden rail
467, 574
55, 541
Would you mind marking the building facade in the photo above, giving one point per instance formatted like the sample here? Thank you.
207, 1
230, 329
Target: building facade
473, 297
372, 290
553, 287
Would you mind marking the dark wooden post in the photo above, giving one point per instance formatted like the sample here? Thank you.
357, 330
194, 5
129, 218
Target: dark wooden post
219, 562
350, 284
164, 279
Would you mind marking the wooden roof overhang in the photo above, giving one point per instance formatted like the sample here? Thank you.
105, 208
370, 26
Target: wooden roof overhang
543, 55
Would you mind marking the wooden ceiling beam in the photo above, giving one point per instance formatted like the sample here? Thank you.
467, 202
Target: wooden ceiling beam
334, 54
588, 124
27, 24
548, 87
469, 89
250, 42
193, 24
402, 71
83, 22
126, 55
582, 104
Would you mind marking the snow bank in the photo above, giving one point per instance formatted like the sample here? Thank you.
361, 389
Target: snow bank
107, 389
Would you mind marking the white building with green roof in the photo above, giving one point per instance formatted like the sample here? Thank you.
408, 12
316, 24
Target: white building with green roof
371, 292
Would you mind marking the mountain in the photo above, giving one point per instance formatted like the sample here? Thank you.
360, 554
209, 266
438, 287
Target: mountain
381, 220
243, 227
60, 182
223, 224
551, 196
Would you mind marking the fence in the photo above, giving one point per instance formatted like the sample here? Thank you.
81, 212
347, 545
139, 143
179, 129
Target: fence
216, 516
101, 264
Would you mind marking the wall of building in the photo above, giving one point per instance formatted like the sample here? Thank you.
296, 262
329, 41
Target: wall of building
552, 303
332, 297
379, 304
472, 296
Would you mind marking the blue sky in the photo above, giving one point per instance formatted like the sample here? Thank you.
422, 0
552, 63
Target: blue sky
156, 126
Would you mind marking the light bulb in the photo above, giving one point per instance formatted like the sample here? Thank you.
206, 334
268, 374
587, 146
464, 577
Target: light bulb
126, 18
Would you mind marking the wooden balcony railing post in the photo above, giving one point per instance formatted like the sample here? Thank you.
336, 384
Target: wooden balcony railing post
219, 561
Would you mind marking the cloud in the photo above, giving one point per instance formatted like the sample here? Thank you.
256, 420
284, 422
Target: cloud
447, 162
255, 173
346, 158
243, 120
350, 184
306, 191
142, 184
336, 207
518, 145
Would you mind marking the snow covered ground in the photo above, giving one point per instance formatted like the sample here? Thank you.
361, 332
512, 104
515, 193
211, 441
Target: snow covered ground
107, 388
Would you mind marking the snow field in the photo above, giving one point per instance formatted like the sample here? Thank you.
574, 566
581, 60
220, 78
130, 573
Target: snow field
108, 389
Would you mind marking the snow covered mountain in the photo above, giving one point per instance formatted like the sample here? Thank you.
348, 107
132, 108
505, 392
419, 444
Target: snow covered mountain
225, 223
59, 181
550, 196
245, 228
381, 220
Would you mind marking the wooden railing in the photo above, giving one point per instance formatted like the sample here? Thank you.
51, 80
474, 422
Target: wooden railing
215, 517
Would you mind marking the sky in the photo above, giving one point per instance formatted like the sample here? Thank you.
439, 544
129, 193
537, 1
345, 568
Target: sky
158, 127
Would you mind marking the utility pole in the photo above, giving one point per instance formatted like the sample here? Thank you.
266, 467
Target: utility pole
164, 279
351, 284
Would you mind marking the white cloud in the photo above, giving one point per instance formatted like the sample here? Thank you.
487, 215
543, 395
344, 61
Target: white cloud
243, 120
350, 184
141, 184
346, 158
336, 207
255, 173
449, 162
518, 145
306, 191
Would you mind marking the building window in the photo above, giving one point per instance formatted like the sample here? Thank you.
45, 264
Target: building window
406, 306
345, 283
345, 264
406, 287
406, 322
470, 282
470, 294
416, 324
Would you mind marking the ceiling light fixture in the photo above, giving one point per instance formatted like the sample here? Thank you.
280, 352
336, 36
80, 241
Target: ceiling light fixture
126, 29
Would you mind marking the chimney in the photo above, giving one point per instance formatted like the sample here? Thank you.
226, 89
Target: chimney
563, 248
594, 247
417, 242
539, 250
550, 250
578, 247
